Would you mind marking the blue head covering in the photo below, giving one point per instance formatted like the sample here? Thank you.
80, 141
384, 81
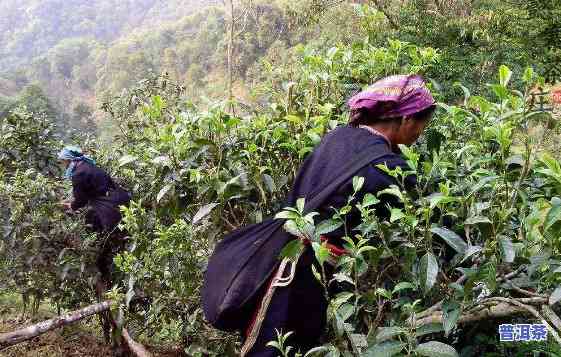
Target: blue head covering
74, 155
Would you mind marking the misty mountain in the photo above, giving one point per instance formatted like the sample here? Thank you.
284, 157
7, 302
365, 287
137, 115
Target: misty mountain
30, 28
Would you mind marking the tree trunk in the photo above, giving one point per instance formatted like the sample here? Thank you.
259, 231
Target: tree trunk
134, 347
12, 338
27, 333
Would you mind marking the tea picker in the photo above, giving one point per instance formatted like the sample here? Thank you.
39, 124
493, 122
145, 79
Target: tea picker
247, 287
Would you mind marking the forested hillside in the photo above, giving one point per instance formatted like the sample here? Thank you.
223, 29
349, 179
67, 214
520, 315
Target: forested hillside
205, 110
79, 52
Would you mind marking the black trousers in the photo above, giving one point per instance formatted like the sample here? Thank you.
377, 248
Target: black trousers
300, 307
112, 243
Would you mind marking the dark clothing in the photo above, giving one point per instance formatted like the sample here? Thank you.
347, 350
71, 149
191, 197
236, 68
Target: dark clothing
94, 187
301, 306
243, 261
338, 147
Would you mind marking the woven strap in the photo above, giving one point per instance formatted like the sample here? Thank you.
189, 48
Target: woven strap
278, 281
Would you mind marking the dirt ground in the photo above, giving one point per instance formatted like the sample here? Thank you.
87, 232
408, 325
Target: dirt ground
69, 341
82, 339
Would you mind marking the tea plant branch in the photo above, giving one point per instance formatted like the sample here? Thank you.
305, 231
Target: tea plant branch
523, 291
379, 314
501, 279
428, 311
495, 307
27, 333
134, 347
233, 214
233, 227
512, 274
487, 309
552, 316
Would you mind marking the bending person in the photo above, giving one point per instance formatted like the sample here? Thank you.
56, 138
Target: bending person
394, 110
94, 188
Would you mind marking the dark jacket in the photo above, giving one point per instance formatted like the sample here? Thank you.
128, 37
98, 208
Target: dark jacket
338, 147
93, 187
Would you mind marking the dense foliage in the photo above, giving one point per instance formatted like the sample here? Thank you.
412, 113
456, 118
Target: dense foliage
476, 244
485, 206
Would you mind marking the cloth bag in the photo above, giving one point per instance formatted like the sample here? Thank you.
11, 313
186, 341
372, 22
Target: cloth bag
243, 261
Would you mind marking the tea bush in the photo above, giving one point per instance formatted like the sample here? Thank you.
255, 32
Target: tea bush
479, 234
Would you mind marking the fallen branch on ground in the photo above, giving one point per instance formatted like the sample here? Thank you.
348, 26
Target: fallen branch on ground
12, 338
134, 347
27, 333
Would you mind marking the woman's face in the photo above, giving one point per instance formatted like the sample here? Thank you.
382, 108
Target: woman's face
410, 130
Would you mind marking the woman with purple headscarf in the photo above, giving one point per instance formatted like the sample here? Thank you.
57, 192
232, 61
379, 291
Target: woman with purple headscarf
392, 111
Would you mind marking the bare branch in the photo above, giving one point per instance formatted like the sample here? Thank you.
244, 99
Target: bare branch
15, 337
134, 347
486, 309
552, 316
523, 291
493, 311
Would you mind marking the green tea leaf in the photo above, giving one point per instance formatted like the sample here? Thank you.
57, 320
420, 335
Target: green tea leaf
507, 249
402, 286
484, 181
292, 249
385, 349
328, 226
358, 182
553, 216
477, 219
471, 250
164, 191
450, 237
528, 75
127, 159
384, 293
316, 350
436, 349
386, 333
203, 212
450, 315
269, 183
287, 215
340, 277
428, 329
300, 204
346, 311
369, 200
396, 214
428, 271
292, 228
321, 251
393, 190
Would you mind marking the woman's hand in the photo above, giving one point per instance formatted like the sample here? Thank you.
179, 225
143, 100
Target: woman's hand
66, 205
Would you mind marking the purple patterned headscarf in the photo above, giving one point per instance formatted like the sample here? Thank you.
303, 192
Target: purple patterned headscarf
392, 97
